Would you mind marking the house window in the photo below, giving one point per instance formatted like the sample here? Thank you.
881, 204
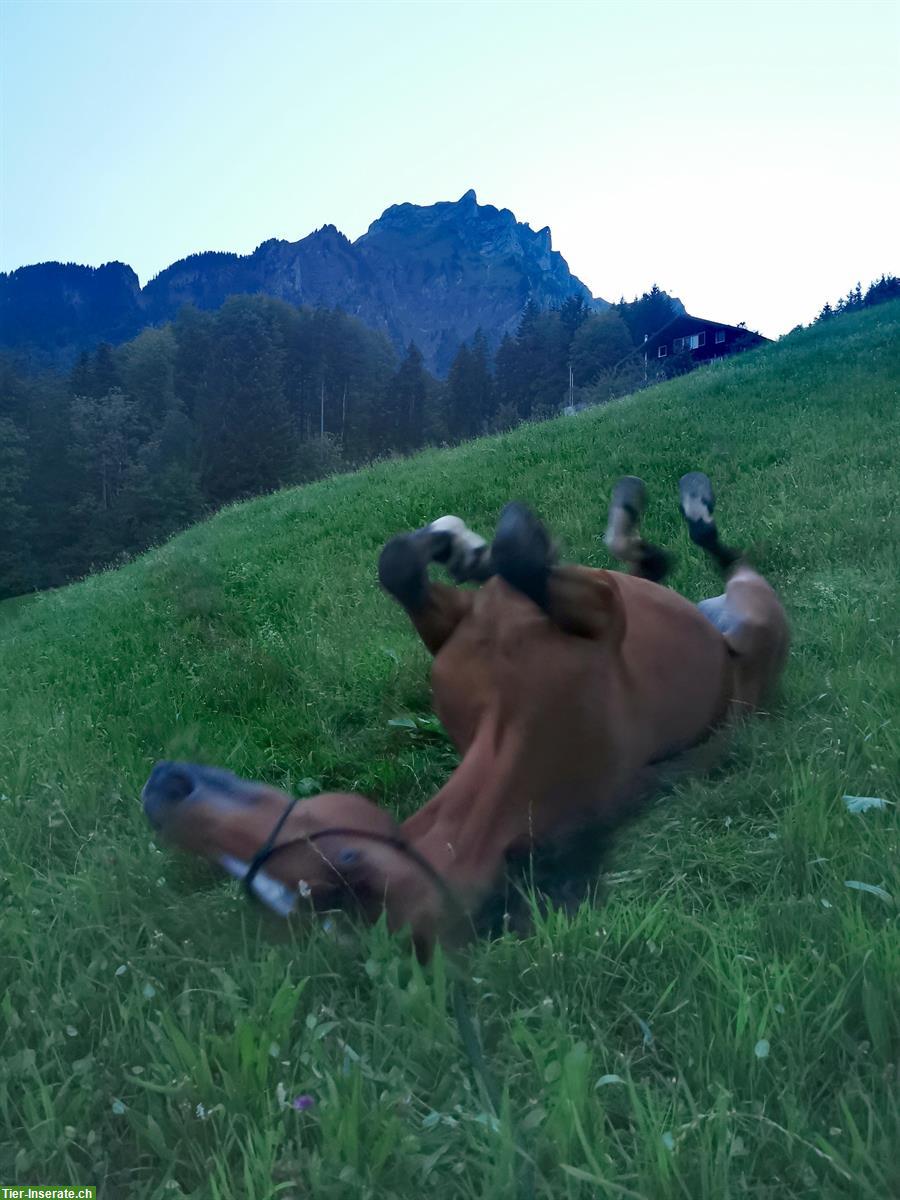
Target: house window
720, 336
693, 341
662, 352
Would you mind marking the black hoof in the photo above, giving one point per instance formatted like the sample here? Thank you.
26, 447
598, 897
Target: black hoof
403, 564
522, 552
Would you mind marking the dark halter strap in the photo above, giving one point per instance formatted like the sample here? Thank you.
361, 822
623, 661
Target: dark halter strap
269, 848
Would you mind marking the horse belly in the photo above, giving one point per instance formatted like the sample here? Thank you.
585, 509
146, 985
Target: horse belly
677, 669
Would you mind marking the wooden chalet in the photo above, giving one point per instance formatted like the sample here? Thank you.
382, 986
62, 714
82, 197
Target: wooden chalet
700, 338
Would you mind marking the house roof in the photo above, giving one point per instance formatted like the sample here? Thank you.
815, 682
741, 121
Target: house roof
683, 324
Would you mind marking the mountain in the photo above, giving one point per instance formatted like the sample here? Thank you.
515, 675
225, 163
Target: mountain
53, 310
430, 274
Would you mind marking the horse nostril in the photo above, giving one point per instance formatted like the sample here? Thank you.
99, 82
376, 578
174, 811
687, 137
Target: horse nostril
169, 782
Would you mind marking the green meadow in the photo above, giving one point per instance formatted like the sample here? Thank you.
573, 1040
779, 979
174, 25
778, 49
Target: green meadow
722, 1020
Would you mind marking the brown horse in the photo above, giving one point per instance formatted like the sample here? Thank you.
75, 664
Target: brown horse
567, 691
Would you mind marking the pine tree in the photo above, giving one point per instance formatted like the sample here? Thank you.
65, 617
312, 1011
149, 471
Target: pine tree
194, 332
459, 396
648, 315
883, 289
470, 391
573, 313
106, 376
826, 313
410, 391
81, 379
248, 439
16, 573
507, 384
485, 393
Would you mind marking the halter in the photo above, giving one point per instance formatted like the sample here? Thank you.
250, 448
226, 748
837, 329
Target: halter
269, 849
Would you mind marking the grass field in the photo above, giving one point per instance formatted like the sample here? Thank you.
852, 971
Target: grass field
722, 1022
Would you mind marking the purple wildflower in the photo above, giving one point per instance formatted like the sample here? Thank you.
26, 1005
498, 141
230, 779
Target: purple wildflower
302, 1103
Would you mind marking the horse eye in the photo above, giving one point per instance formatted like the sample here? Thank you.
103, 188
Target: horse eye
347, 858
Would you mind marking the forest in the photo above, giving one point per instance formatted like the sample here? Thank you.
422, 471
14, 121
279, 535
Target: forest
140, 440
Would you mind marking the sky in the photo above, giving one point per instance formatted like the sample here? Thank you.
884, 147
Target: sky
743, 154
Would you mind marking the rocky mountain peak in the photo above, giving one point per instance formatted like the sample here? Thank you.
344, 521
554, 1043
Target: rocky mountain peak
433, 274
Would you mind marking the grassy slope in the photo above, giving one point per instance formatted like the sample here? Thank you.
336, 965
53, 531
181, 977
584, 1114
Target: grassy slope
137, 987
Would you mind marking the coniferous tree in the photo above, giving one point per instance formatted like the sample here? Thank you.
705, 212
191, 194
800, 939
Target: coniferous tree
16, 570
647, 315
105, 373
573, 313
485, 395
459, 394
528, 360
369, 362
547, 350
193, 333
506, 384
81, 379
883, 289
470, 391
248, 439
409, 389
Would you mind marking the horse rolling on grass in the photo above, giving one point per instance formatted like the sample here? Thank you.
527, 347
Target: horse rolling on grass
569, 692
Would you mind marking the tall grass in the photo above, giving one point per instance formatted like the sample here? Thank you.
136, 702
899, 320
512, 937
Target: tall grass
721, 1022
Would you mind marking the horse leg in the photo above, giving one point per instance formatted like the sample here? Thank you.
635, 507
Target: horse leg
434, 608
622, 537
748, 614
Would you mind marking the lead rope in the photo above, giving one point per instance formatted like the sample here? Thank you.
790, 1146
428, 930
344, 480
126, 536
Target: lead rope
468, 1033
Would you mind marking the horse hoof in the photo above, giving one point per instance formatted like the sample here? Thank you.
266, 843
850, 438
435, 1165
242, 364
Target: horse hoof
402, 568
695, 493
697, 503
522, 552
465, 554
629, 493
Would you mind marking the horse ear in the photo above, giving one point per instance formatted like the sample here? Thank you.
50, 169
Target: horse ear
586, 603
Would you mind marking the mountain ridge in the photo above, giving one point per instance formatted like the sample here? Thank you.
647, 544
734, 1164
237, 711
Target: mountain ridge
429, 274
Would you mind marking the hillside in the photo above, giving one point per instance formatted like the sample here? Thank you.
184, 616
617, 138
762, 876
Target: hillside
432, 275
723, 1022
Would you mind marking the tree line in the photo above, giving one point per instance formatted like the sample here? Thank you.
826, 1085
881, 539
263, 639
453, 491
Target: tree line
140, 440
883, 289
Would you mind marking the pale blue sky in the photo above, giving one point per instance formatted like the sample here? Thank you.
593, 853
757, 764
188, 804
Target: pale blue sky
742, 154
